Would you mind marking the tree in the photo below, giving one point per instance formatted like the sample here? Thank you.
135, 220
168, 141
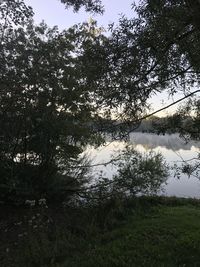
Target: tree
186, 122
157, 50
90, 5
58, 90
46, 112
168, 34
136, 174
140, 174
176, 25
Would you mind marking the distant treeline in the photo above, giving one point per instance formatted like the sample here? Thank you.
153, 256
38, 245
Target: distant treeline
154, 124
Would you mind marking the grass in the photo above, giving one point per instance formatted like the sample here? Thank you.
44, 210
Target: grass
148, 232
168, 236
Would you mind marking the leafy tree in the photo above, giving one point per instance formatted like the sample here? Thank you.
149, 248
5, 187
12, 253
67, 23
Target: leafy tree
90, 5
157, 50
59, 89
186, 122
46, 111
176, 62
135, 174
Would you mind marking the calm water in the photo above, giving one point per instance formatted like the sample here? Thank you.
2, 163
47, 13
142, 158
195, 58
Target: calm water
171, 147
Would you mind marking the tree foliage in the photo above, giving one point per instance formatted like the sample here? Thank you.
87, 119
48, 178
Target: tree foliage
58, 89
90, 5
176, 54
46, 112
155, 51
171, 32
136, 174
186, 122
140, 174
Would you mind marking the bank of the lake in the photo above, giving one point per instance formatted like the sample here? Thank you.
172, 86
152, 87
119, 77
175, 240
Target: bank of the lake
145, 231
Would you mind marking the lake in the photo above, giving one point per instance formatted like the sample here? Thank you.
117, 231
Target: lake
172, 147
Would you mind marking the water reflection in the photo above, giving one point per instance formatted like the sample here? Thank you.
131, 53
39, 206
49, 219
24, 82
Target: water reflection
171, 142
172, 148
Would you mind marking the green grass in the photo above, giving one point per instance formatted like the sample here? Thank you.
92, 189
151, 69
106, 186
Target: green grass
167, 236
145, 231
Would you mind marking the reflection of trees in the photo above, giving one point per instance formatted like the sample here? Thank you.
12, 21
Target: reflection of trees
146, 146
172, 142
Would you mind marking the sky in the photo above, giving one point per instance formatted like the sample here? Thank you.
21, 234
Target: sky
54, 13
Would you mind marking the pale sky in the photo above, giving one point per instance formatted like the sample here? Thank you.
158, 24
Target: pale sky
54, 13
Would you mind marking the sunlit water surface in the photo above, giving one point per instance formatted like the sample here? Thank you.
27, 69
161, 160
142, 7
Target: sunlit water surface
171, 147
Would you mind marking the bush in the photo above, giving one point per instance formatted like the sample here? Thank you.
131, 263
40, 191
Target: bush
140, 174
